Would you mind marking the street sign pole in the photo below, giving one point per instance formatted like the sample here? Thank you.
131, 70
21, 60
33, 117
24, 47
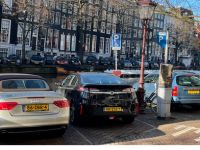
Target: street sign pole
116, 46
166, 48
116, 60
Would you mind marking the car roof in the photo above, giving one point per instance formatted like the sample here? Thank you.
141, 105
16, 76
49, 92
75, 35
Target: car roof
176, 72
7, 76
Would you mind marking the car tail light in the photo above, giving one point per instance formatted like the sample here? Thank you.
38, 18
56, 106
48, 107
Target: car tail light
175, 91
61, 103
7, 105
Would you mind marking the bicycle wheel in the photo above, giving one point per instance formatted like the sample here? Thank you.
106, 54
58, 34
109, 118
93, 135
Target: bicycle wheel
153, 104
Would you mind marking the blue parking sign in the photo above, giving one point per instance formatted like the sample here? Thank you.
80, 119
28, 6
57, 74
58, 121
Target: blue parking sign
116, 42
162, 39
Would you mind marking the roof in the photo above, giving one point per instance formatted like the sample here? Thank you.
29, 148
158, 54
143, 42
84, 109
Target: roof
6, 76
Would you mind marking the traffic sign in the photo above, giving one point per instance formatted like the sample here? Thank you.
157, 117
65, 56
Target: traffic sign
162, 39
116, 42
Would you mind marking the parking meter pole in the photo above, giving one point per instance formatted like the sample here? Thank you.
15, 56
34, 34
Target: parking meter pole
166, 48
115, 59
164, 91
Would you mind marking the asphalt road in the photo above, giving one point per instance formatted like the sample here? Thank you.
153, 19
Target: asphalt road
183, 128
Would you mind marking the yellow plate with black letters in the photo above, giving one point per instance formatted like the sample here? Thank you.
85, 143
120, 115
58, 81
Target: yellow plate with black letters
36, 107
193, 92
112, 109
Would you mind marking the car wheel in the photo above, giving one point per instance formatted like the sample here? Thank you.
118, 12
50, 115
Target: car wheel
128, 119
74, 115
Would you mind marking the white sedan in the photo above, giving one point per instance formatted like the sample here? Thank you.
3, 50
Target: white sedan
27, 104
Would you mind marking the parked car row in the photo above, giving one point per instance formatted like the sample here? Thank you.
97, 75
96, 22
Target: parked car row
185, 87
27, 103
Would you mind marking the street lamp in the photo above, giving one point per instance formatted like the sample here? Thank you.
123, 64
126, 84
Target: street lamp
146, 11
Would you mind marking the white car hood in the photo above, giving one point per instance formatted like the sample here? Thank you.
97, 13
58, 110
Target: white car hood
8, 95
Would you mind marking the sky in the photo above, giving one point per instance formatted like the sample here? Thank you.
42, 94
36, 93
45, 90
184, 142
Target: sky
194, 5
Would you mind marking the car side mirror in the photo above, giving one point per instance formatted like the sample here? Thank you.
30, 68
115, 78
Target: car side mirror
58, 83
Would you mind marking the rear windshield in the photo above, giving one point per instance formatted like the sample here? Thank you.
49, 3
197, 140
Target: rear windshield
101, 79
188, 80
25, 84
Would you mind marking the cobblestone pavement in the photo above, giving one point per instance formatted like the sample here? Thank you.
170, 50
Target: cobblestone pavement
183, 128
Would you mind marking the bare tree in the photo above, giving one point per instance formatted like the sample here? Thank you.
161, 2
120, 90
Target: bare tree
30, 16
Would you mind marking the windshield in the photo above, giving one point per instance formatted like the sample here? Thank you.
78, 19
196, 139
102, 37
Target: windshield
25, 84
152, 78
103, 79
188, 80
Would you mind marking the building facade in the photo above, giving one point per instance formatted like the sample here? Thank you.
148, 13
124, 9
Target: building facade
67, 34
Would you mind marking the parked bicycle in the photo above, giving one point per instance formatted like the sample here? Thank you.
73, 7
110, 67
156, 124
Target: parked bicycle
151, 102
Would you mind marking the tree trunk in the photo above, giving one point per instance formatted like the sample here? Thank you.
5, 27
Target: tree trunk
24, 43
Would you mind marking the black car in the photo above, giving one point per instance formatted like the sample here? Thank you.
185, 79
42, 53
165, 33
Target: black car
91, 60
74, 61
98, 95
13, 59
37, 60
49, 59
105, 61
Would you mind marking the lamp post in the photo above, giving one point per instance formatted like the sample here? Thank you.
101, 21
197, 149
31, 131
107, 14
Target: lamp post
146, 10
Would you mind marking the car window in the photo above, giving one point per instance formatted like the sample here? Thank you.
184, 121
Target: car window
74, 81
67, 80
188, 80
153, 78
101, 79
24, 84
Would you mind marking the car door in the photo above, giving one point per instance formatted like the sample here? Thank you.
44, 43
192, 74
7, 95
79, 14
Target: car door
64, 88
72, 92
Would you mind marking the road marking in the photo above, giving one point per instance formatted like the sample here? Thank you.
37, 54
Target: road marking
146, 123
179, 127
84, 137
183, 131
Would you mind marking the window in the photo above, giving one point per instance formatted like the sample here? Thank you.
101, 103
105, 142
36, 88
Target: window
19, 35
62, 42
134, 33
64, 22
87, 44
95, 24
108, 29
107, 46
49, 38
55, 39
69, 23
94, 41
67, 80
74, 24
74, 81
73, 43
3, 52
57, 21
103, 26
68, 42
25, 84
5, 31
101, 48
6, 6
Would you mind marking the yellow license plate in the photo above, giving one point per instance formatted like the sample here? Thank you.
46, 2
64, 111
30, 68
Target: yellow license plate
113, 109
193, 92
36, 107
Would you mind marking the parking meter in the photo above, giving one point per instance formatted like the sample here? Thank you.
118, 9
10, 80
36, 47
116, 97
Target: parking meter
164, 91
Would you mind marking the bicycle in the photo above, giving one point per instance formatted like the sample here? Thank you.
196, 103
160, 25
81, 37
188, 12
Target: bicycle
151, 102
